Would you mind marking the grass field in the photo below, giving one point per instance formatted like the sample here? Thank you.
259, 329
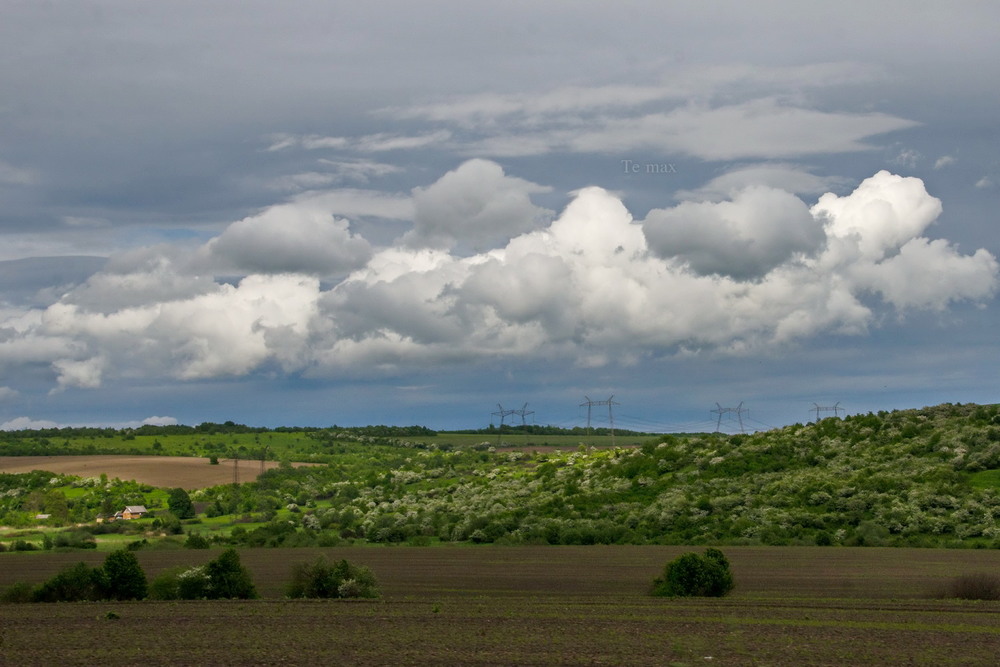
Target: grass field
166, 471
532, 606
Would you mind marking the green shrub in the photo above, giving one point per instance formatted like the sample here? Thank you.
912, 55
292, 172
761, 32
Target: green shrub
164, 585
18, 592
979, 586
193, 584
73, 584
323, 579
196, 541
691, 575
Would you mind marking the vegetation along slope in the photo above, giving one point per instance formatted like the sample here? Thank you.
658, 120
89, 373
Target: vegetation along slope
928, 477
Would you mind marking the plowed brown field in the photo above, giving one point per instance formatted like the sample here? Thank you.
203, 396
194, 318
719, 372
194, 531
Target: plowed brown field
183, 471
531, 606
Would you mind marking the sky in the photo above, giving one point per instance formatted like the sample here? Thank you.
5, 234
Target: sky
317, 213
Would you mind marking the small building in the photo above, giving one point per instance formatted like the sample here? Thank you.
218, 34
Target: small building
133, 512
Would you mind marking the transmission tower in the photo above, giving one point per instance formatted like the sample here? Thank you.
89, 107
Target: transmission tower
835, 409
739, 411
263, 457
611, 418
524, 412
503, 414
236, 467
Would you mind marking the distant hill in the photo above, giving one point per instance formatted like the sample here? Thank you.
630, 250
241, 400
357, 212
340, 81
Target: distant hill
912, 477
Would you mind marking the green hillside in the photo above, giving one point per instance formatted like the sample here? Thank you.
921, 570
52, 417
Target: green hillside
928, 477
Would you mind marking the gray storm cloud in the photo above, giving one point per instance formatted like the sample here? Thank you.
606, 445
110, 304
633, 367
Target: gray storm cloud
476, 203
759, 230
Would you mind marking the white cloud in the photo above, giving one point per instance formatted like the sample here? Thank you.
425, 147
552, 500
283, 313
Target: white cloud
765, 128
477, 204
985, 183
930, 274
907, 157
377, 143
369, 143
84, 373
26, 423
882, 214
944, 161
7, 394
159, 421
712, 113
758, 269
701, 83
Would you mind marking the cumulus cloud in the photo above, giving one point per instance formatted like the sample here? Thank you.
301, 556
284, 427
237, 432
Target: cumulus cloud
759, 268
883, 213
944, 161
298, 237
83, 373
476, 203
760, 229
7, 394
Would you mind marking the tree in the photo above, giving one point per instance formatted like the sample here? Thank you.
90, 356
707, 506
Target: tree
228, 578
124, 578
691, 575
180, 504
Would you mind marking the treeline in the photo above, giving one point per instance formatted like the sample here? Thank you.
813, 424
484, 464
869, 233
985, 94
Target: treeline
121, 577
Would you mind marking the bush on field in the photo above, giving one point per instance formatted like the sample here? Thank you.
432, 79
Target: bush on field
75, 539
979, 586
691, 575
221, 578
18, 592
196, 541
323, 579
164, 586
122, 577
73, 584
228, 578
